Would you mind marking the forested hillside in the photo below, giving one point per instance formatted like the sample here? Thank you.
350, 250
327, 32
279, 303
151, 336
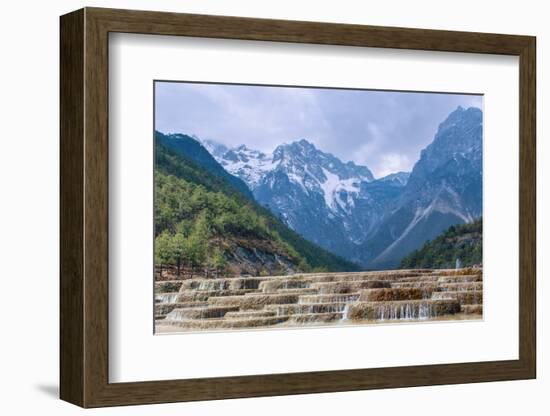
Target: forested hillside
462, 242
189, 148
203, 224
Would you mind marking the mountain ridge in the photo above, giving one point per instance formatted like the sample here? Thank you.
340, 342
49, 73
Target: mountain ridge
173, 162
312, 191
443, 189
193, 149
343, 208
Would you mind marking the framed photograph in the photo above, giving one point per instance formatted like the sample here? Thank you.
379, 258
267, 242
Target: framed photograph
255, 207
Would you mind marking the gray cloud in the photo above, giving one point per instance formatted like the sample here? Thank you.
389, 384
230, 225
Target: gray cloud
381, 129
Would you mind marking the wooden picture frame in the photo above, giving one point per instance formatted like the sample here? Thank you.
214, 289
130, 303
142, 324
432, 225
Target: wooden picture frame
84, 207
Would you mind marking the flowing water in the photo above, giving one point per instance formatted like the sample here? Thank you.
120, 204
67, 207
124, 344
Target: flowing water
318, 299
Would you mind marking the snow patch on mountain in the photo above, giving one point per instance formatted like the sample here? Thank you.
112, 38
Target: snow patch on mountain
248, 164
304, 165
333, 187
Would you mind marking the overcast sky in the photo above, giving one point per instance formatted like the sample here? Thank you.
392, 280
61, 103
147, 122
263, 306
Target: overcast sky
384, 130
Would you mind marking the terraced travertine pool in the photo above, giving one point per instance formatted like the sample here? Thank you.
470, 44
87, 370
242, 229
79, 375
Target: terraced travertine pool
317, 299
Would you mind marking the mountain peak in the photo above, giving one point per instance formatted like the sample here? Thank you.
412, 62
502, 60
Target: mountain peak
471, 115
300, 146
459, 136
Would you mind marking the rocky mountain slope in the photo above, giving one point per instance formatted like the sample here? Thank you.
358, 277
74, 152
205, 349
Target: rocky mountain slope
444, 188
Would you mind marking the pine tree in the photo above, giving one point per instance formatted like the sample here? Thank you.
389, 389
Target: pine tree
218, 261
164, 250
179, 247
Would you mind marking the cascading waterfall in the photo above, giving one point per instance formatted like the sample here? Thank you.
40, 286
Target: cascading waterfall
212, 285
309, 308
403, 311
323, 298
328, 298
166, 297
425, 311
345, 312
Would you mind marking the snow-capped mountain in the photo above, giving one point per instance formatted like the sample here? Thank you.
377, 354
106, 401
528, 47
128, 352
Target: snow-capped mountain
304, 166
331, 203
344, 209
249, 165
